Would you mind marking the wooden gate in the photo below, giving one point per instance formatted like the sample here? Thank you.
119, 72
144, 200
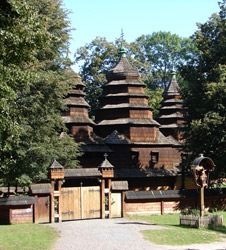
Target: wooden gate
116, 205
42, 209
80, 203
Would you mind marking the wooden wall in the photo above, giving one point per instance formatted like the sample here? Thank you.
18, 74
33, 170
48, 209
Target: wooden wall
166, 206
143, 134
168, 157
16, 214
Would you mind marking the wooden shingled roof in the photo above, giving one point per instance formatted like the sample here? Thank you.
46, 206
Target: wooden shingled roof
116, 138
82, 172
42, 188
160, 194
127, 82
17, 201
130, 121
126, 105
173, 88
120, 185
55, 165
122, 70
77, 119
76, 101
105, 163
171, 112
145, 173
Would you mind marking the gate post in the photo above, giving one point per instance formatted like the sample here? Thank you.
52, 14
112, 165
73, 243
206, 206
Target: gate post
102, 198
56, 173
107, 170
109, 197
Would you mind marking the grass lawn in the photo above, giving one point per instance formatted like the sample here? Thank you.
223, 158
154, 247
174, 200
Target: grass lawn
177, 235
27, 236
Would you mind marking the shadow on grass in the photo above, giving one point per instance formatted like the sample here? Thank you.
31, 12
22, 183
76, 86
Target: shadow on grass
136, 223
220, 229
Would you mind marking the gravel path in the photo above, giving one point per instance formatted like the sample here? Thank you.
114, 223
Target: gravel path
114, 234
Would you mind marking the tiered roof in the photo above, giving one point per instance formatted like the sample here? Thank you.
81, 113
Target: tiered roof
78, 121
170, 114
124, 105
76, 117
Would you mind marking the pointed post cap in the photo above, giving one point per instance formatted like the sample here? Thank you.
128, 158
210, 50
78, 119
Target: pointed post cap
122, 52
56, 165
173, 73
56, 170
107, 169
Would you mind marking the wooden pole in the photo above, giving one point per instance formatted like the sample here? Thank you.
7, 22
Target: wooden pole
59, 200
102, 199
81, 200
123, 204
202, 205
162, 207
109, 197
52, 203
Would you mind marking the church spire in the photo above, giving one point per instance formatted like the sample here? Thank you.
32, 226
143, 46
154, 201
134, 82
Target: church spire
122, 50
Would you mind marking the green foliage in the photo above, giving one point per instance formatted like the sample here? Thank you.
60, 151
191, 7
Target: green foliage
194, 212
27, 236
34, 80
155, 100
97, 57
205, 93
164, 50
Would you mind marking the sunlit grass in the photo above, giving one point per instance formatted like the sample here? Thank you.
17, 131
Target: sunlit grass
27, 237
173, 234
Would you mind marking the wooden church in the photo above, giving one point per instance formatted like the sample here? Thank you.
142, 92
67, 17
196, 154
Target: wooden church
144, 152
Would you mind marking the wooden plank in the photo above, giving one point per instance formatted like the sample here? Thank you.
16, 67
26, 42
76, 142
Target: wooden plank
102, 199
109, 197
70, 203
42, 209
116, 205
91, 202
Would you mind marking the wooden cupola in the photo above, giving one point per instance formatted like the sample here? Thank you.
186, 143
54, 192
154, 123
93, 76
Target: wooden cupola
106, 168
56, 170
171, 112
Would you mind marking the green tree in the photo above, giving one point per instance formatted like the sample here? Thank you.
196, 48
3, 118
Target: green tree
96, 58
164, 50
205, 92
34, 80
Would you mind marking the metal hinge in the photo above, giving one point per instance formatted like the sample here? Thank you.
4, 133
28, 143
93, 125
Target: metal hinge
94, 211
67, 192
69, 212
94, 190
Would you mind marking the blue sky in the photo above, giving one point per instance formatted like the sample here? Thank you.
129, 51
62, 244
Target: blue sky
106, 18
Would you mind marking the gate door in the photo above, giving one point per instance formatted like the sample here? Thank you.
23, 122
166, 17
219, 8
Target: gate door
80, 203
70, 203
116, 205
42, 209
91, 202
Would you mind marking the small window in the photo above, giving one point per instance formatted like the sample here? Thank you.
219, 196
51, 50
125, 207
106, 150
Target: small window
154, 157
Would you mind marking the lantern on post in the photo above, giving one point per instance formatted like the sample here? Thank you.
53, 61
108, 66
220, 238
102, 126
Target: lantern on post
56, 170
201, 167
107, 170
